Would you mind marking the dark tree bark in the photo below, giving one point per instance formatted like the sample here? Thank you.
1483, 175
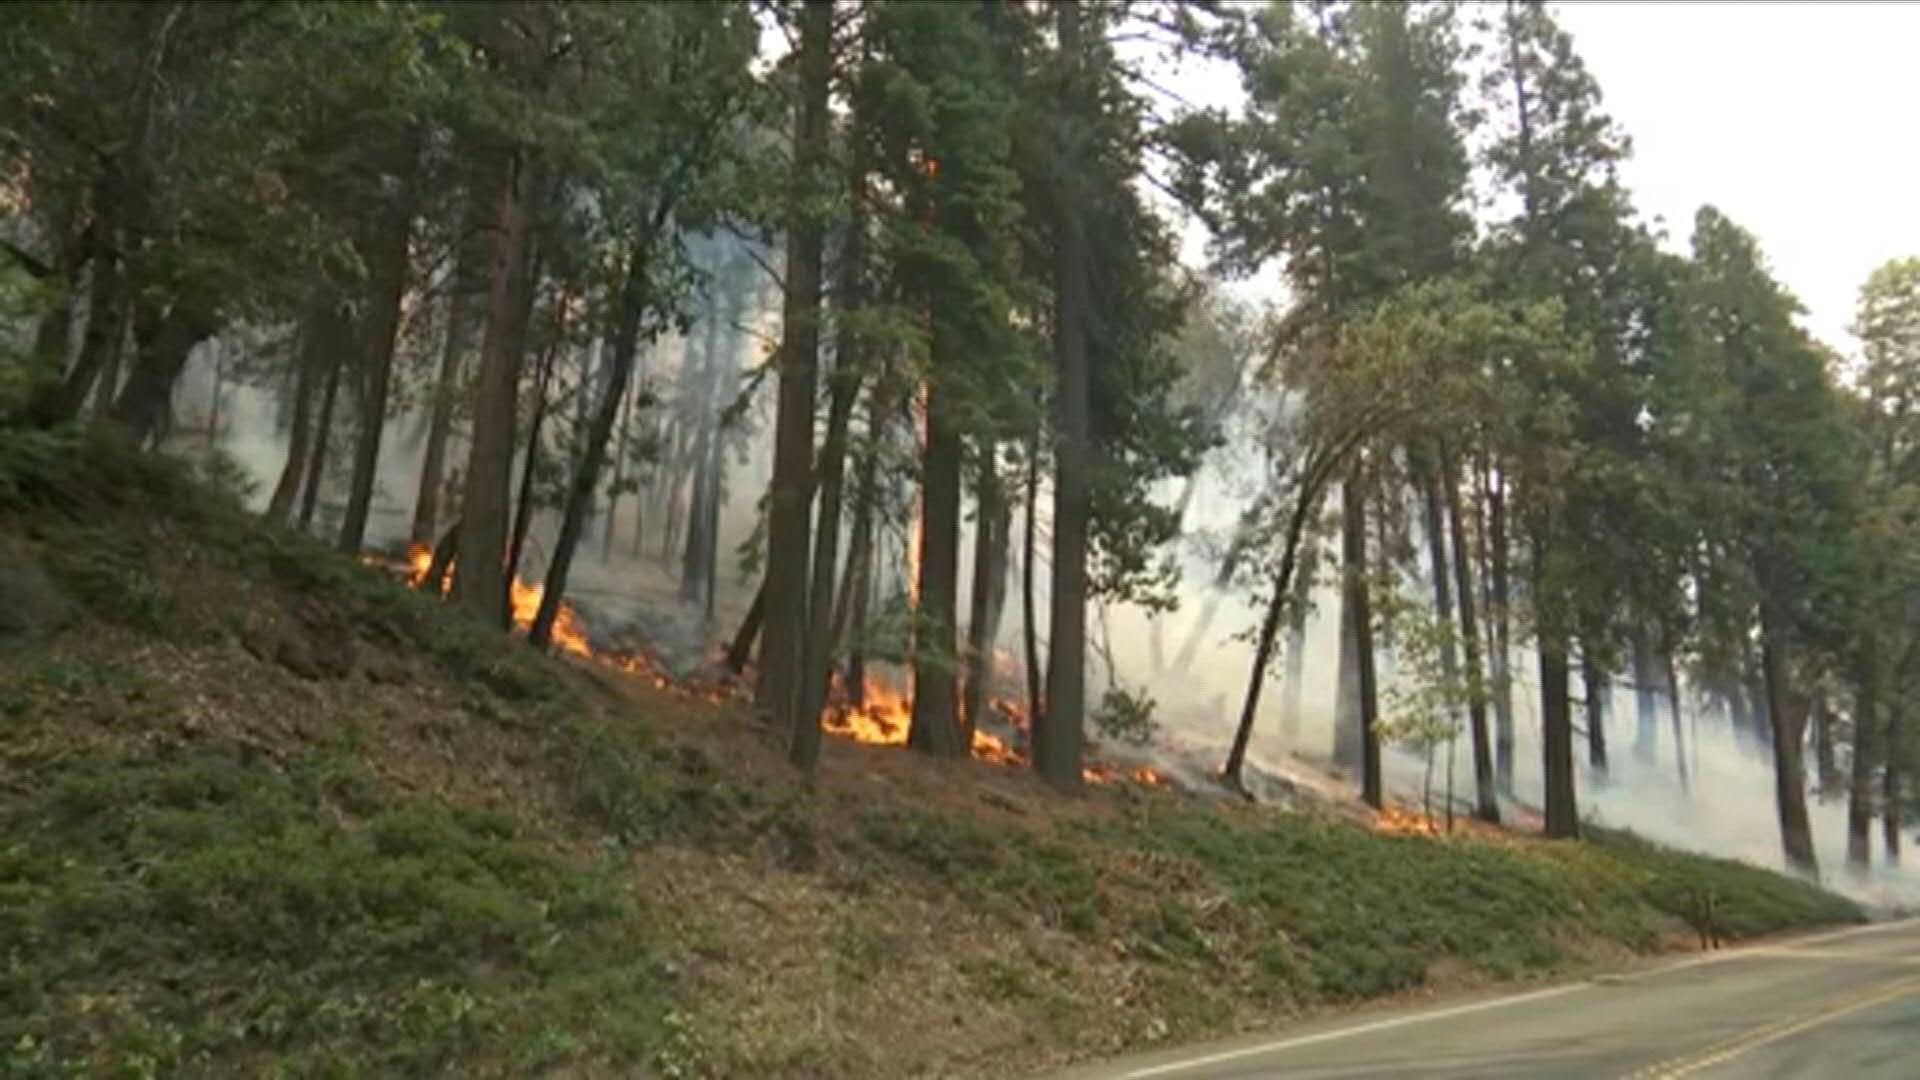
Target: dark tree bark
1486, 799
697, 553
536, 425
323, 425
108, 312
1786, 714
634, 300
1030, 635
1891, 791
1263, 647
1500, 662
162, 344
1293, 686
471, 255
856, 590
440, 564
740, 649
1826, 762
789, 525
1354, 548
307, 364
1679, 743
1442, 585
989, 578
620, 454
1556, 732
481, 583
849, 367
1593, 677
386, 254
936, 727
1865, 760
1059, 733
1645, 700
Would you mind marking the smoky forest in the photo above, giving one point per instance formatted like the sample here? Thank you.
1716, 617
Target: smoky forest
492, 490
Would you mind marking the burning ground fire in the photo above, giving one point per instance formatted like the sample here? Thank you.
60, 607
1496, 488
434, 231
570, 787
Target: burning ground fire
883, 718
1401, 822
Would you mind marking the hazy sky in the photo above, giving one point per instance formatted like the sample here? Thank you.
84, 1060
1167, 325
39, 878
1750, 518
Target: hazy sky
1799, 121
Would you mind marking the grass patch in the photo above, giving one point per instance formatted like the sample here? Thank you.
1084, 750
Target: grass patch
180, 912
1016, 874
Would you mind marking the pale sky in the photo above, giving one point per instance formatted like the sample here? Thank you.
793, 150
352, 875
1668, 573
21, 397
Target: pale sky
1797, 120
1800, 121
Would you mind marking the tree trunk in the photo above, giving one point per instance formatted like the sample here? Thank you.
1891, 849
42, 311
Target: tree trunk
1442, 586
1030, 630
1349, 732
163, 343
1292, 687
1058, 734
851, 619
634, 301
453, 351
323, 424
1593, 678
936, 727
789, 532
989, 570
387, 258
1556, 729
620, 455
1354, 551
1891, 790
107, 313
1277, 604
1486, 800
849, 368
1679, 744
481, 584
698, 553
1825, 760
530, 460
1789, 771
1500, 664
1645, 700
740, 649
440, 563
1861, 790
311, 355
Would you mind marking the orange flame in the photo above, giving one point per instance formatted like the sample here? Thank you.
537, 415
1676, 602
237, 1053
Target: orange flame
1399, 822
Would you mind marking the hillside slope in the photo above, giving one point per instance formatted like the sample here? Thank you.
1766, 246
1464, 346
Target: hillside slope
261, 807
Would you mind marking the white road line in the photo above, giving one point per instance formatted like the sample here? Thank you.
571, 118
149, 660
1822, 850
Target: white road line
1497, 1003
1342, 1033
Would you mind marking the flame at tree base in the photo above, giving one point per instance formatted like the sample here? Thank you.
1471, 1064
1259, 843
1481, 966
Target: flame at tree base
1401, 822
884, 716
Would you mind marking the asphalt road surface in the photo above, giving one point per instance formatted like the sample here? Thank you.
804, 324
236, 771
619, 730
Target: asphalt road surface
1844, 1004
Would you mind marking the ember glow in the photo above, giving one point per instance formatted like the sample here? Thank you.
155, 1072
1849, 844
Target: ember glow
1401, 822
883, 718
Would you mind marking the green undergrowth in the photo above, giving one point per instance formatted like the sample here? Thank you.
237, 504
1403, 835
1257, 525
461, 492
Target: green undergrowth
179, 912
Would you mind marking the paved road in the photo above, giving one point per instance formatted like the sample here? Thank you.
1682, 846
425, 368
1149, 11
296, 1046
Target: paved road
1842, 1004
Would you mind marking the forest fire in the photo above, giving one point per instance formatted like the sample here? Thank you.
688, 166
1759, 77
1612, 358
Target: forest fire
569, 635
884, 716
1400, 822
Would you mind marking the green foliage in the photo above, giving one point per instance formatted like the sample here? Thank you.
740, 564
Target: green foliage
1018, 876
1126, 716
196, 907
1360, 914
